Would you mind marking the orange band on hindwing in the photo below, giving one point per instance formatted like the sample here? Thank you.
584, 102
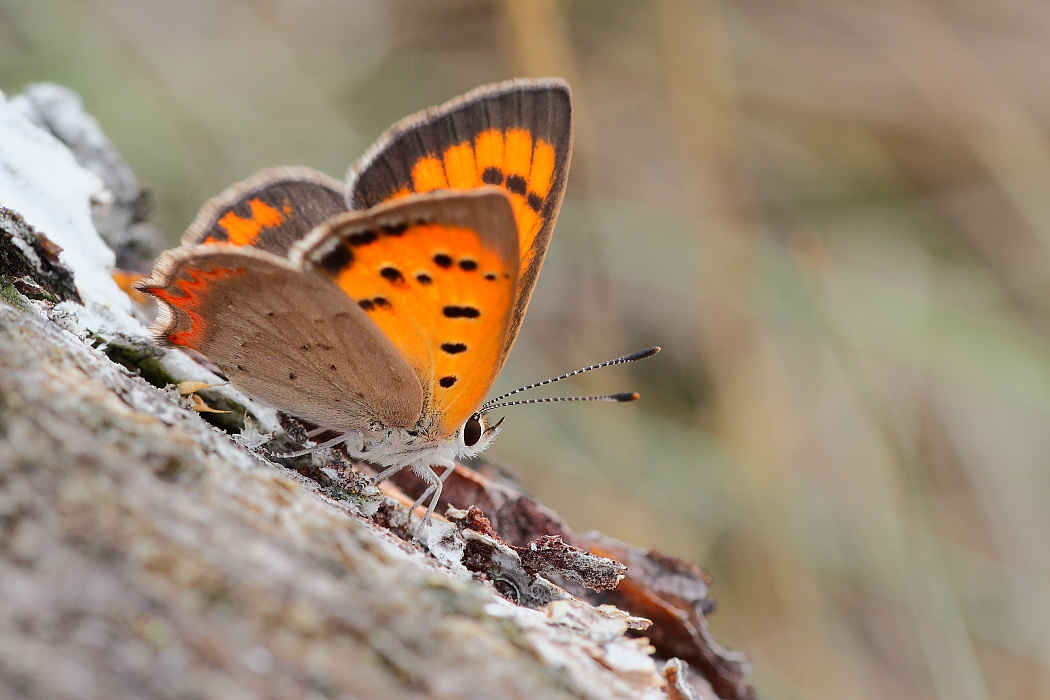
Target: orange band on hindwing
245, 230
186, 294
270, 210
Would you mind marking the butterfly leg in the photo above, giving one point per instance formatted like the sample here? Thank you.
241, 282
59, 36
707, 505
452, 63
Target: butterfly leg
388, 472
439, 484
316, 448
427, 473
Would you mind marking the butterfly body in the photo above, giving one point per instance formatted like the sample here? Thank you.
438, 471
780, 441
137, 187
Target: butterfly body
400, 447
385, 311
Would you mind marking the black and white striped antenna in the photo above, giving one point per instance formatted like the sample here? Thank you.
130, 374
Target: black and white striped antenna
630, 396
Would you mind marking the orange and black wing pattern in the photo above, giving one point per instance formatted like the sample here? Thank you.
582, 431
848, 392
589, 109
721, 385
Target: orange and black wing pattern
270, 210
437, 273
516, 135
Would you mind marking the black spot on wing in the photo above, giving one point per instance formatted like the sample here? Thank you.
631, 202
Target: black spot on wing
461, 312
468, 265
361, 238
453, 348
392, 274
492, 176
517, 184
447, 381
336, 260
443, 261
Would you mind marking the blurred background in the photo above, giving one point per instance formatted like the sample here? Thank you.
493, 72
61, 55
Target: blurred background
833, 216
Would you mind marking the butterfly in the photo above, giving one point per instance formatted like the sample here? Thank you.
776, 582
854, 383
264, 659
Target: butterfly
382, 309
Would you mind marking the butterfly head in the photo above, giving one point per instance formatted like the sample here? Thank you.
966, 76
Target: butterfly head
477, 434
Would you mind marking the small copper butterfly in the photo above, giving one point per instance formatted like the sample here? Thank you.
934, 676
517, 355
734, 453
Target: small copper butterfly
383, 310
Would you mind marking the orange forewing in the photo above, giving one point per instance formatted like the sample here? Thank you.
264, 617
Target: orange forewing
439, 281
443, 299
515, 135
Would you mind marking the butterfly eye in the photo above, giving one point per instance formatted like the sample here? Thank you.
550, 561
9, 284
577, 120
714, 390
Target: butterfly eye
472, 431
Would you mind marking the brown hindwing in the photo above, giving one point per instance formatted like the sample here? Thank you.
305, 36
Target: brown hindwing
284, 336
